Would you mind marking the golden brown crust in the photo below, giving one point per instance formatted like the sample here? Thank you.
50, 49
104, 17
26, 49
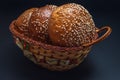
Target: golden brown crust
71, 25
38, 25
22, 21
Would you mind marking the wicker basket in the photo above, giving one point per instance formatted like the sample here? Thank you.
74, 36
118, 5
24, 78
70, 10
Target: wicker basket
54, 57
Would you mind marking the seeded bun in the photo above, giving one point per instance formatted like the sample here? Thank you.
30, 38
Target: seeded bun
38, 24
23, 20
71, 25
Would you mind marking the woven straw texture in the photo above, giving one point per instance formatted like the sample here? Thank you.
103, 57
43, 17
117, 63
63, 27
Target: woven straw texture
49, 56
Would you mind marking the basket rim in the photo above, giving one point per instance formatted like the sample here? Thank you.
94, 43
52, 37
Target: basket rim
38, 43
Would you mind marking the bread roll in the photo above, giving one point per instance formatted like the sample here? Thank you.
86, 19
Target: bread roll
38, 24
22, 22
71, 25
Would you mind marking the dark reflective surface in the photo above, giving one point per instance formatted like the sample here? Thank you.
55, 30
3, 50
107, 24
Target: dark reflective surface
102, 63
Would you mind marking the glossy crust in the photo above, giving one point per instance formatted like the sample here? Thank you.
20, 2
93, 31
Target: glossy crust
22, 22
38, 24
71, 25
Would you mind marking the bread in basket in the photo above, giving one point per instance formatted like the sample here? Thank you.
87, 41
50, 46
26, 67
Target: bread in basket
68, 37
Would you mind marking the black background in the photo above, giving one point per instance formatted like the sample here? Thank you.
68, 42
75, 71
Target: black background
102, 63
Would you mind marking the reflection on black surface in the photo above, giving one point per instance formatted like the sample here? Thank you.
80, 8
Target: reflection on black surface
103, 62
31, 71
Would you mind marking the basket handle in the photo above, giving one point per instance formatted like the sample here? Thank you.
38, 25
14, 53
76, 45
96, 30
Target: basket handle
105, 35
